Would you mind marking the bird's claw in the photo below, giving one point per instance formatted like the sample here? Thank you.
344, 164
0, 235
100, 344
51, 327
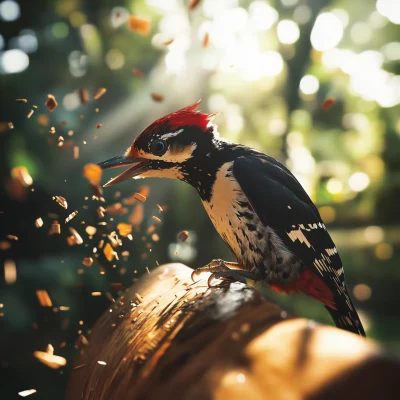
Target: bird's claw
214, 266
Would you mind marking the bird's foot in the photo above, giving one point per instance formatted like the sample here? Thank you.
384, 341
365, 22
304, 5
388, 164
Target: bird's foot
220, 270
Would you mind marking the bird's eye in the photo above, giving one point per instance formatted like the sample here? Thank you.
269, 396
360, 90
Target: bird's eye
159, 147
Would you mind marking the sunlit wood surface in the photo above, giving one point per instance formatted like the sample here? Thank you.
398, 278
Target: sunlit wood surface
167, 338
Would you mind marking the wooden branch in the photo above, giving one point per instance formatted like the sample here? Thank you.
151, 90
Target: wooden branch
167, 338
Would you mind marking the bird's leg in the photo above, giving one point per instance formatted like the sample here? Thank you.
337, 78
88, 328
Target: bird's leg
220, 270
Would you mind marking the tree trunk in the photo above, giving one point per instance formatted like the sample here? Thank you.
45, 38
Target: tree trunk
169, 338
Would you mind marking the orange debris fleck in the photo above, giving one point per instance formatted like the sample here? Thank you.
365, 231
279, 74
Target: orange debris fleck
137, 72
193, 4
139, 25
124, 229
44, 298
109, 252
328, 103
136, 217
92, 173
10, 272
157, 97
206, 40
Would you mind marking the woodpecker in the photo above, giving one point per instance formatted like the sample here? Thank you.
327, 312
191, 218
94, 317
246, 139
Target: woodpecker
257, 206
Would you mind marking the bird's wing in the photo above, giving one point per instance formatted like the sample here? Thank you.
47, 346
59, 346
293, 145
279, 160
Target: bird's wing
281, 202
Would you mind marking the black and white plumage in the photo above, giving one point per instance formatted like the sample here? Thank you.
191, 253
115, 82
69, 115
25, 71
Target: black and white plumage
258, 207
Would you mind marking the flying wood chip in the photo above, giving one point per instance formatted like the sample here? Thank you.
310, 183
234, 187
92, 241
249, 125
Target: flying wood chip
183, 236
140, 197
12, 237
99, 93
91, 230
55, 228
70, 216
108, 252
44, 298
50, 360
140, 25
51, 102
49, 349
84, 96
124, 229
77, 237
87, 261
92, 172
26, 393
61, 201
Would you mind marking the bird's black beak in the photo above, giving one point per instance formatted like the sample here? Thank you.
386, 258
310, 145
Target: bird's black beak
139, 166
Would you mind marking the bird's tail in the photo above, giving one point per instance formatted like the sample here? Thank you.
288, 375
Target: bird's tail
346, 317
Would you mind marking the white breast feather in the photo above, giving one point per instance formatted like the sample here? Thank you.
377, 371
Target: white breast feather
223, 207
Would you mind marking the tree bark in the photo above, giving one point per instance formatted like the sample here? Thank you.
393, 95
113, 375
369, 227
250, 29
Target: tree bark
169, 338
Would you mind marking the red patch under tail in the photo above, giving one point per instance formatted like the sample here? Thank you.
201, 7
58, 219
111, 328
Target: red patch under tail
309, 284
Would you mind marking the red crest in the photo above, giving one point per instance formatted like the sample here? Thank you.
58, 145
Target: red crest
187, 116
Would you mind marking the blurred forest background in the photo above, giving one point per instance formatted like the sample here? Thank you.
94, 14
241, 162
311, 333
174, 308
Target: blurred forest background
314, 83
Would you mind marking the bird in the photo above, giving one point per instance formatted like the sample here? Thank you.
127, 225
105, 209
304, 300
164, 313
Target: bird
258, 207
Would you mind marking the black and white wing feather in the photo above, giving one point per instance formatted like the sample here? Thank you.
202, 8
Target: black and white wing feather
280, 202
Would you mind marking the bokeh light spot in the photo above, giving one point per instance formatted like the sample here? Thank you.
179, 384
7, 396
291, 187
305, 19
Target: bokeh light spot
13, 61
334, 186
271, 63
262, 15
374, 234
384, 251
362, 292
327, 32
60, 30
358, 181
115, 59
9, 10
302, 14
288, 31
309, 84
389, 9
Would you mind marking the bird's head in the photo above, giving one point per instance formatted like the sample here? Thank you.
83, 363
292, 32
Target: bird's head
165, 147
